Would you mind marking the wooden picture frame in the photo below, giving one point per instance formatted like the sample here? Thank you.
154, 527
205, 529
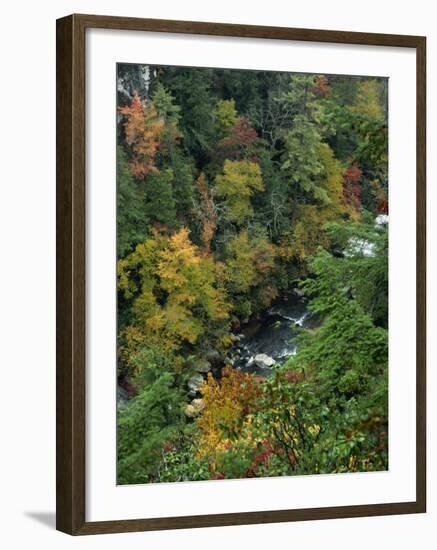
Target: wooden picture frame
71, 248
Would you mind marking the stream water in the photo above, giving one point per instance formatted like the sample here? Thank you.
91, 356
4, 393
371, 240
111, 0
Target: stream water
272, 337
269, 339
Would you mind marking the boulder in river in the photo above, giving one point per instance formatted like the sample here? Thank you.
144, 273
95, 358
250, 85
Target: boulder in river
263, 360
194, 408
202, 366
195, 382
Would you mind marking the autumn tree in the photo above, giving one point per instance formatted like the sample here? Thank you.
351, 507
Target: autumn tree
321, 86
352, 189
367, 100
380, 196
331, 183
143, 128
357, 111
172, 294
240, 141
237, 184
301, 241
249, 265
228, 406
207, 213
225, 116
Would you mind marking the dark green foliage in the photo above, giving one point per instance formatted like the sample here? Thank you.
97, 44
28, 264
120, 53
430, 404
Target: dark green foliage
179, 461
301, 140
327, 407
132, 220
171, 156
191, 89
149, 421
160, 206
249, 89
360, 269
347, 351
272, 206
344, 367
183, 186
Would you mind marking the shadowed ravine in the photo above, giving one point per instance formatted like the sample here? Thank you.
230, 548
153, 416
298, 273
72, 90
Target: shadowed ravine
273, 335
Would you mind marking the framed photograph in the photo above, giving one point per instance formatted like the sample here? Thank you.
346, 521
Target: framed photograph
240, 274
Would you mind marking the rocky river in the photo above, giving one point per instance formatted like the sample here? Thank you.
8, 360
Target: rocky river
267, 340
271, 338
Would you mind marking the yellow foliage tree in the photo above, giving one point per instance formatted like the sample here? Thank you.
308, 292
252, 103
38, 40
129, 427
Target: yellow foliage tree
143, 128
225, 116
308, 233
228, 406
240, 179
207, 213
174, 294
305, 237
249, 265
367, 101
332, 183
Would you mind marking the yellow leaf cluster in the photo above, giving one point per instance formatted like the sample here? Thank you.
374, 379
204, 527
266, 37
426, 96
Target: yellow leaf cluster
227, 414
368, 101
167, 278
240, 179
143, 128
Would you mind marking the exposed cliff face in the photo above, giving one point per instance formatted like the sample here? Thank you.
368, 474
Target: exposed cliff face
133, 78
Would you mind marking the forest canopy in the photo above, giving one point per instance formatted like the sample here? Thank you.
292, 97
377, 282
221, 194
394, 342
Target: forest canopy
241, 193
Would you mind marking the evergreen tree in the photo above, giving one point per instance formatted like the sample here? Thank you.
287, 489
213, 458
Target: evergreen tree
191, 88
172, 154
132, 220
160, 205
